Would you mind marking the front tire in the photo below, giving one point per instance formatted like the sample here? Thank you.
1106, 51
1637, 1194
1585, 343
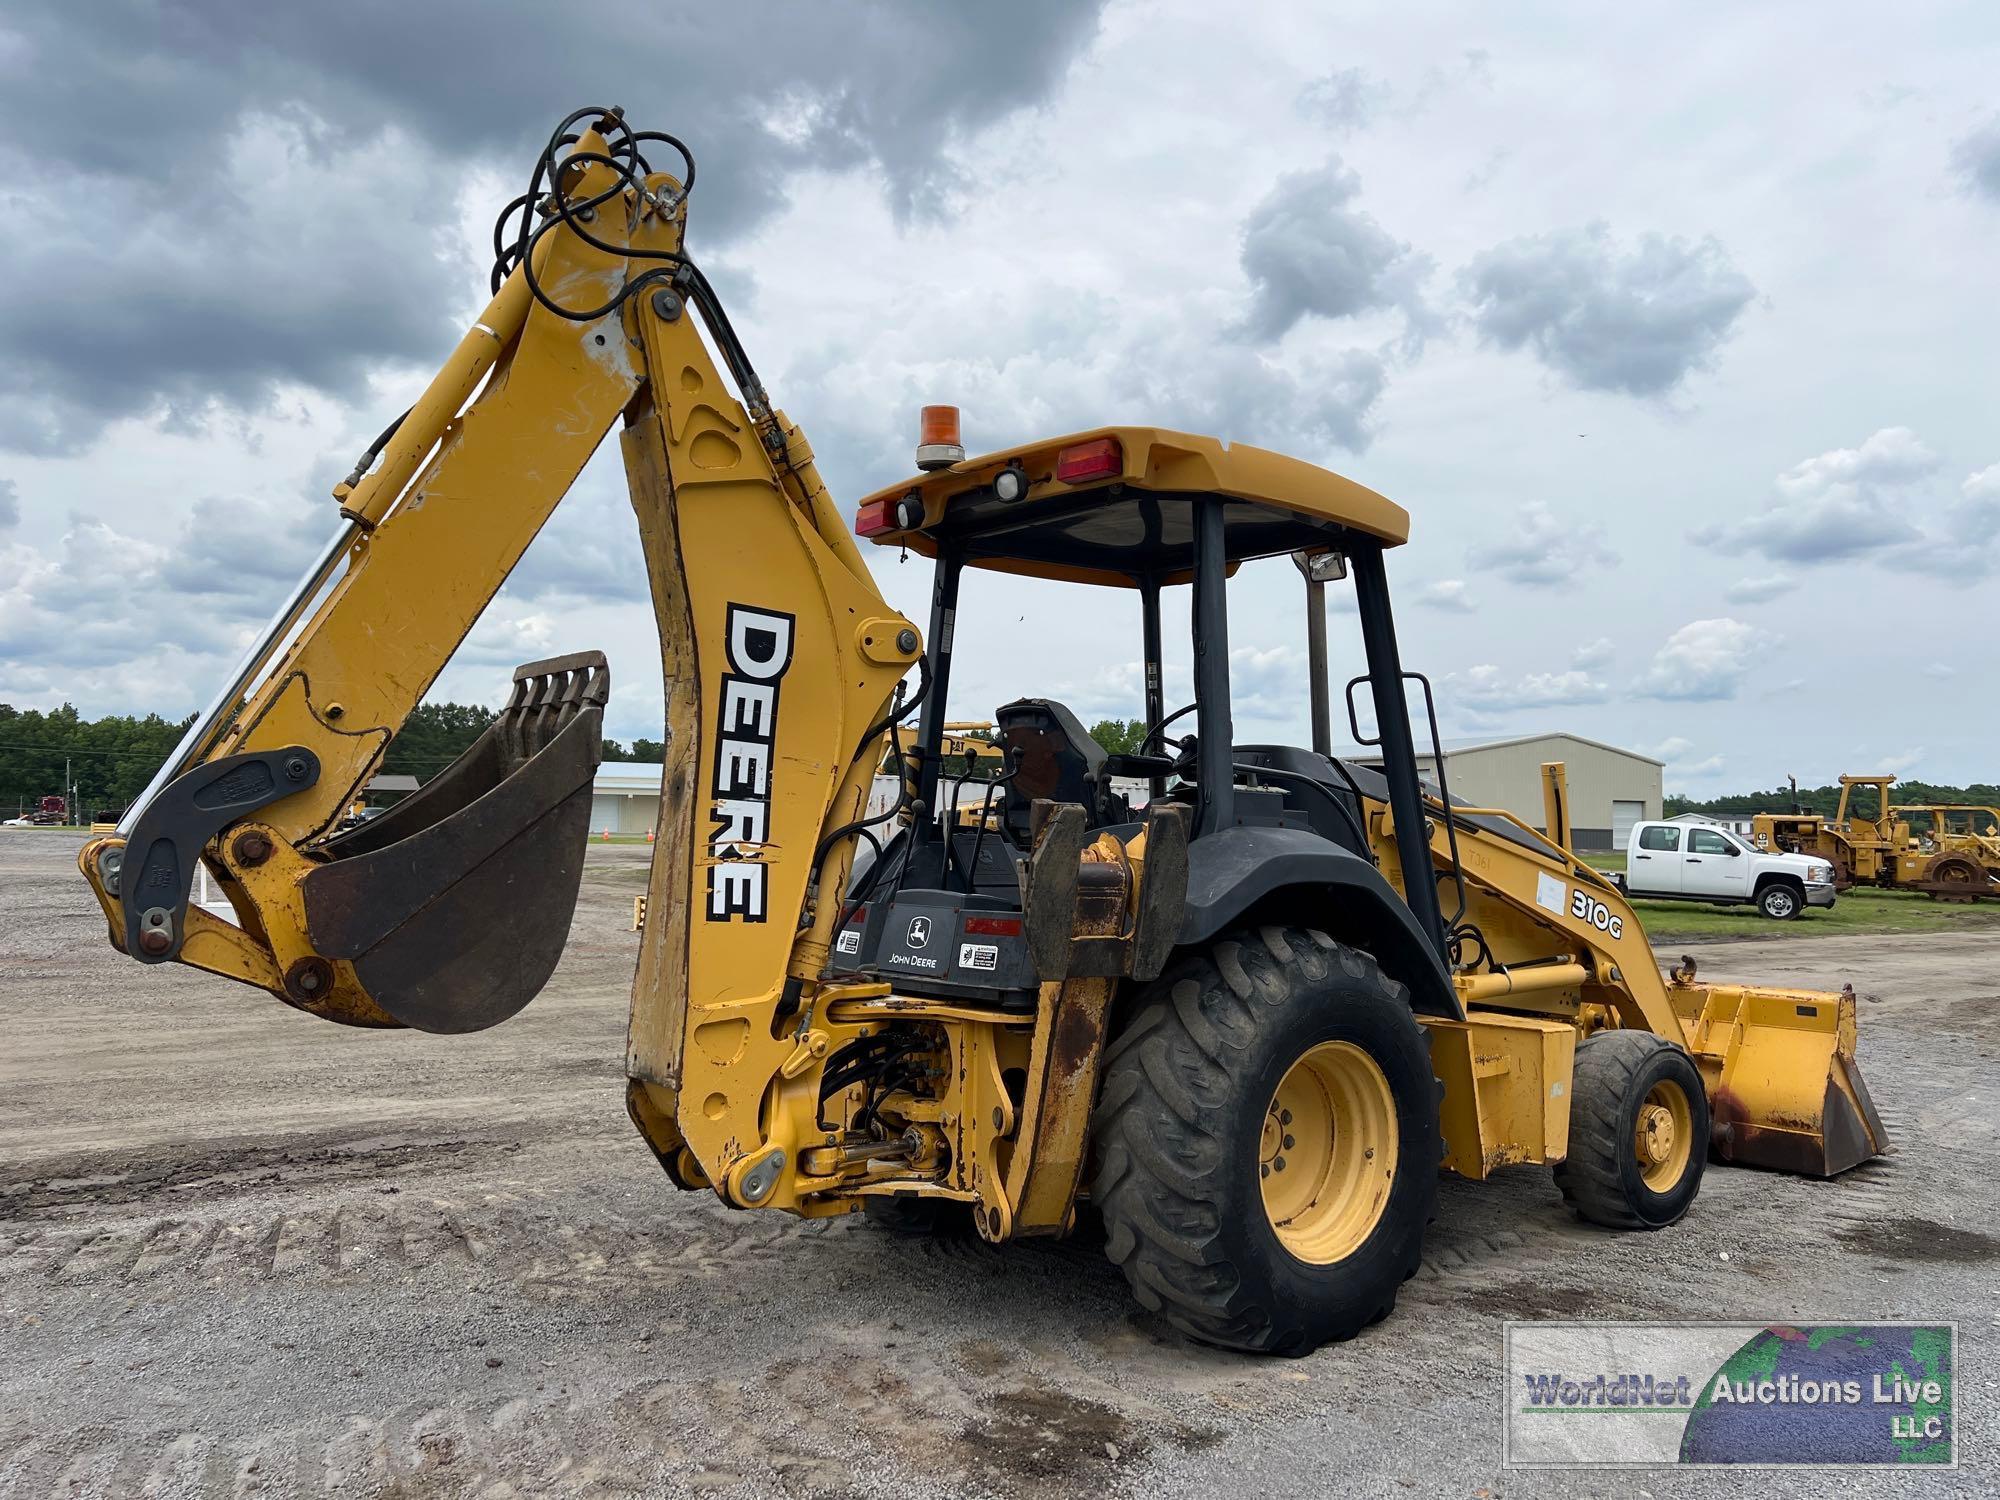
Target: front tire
1638, 1131
1779, 902
1267, 1142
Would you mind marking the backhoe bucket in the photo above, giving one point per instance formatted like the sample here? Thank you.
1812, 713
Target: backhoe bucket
454, 905
1784, 1089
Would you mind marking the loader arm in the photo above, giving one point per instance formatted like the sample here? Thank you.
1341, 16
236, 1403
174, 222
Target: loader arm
1545, 935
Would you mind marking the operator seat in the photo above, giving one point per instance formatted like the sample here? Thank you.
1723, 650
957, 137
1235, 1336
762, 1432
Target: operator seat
1055, 758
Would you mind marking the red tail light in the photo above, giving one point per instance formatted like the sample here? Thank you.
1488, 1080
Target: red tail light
993, 926
878, 516
1100, 458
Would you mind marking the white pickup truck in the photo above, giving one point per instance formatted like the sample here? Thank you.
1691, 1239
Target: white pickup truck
1693, 862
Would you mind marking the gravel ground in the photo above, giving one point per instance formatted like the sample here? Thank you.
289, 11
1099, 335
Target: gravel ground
243, 1252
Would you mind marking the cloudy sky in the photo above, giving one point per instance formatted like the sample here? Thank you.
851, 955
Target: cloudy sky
1674, 329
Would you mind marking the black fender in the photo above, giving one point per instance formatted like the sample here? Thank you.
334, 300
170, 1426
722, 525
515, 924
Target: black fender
1291, 874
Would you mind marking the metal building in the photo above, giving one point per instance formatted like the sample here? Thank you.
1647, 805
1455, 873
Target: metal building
625, 798
1609, 789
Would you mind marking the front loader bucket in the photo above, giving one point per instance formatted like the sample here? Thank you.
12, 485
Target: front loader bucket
1784, 1089
454, 905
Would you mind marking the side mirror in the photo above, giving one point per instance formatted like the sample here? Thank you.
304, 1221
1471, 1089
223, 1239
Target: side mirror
1321, 567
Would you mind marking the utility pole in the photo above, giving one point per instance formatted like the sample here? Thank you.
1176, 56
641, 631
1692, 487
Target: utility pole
69, 794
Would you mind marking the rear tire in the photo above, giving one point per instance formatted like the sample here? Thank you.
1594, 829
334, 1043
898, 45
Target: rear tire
1228, 1217
1779, 902
1638, 1131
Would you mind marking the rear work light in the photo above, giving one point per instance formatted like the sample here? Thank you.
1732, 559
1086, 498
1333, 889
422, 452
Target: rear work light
878, 516
992, 926
1100, 458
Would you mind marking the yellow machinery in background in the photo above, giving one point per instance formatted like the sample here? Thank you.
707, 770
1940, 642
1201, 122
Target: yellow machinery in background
970, 761
1880, 849
1244, 1022
1954, 828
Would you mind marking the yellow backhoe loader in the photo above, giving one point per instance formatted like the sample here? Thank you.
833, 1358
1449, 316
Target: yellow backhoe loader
1246, 1023
1880, 849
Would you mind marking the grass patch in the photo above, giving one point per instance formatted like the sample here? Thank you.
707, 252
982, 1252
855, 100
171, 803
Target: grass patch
1857, 912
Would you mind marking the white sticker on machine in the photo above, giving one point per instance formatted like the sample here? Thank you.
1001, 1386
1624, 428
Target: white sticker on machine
978, 956
1552, 895
849, 941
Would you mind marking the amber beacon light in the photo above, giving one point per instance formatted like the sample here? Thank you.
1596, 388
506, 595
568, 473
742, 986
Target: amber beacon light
938, 444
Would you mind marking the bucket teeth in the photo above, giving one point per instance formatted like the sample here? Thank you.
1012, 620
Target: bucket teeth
454, 906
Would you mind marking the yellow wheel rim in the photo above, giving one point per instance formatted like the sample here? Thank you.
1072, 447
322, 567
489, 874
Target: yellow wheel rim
1663, 1135
1328, 1154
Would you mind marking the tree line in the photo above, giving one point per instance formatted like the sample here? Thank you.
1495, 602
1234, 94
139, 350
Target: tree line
1825, 800
111, 759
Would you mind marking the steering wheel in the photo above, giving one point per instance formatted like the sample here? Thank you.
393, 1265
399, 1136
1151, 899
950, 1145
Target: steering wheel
1156, 733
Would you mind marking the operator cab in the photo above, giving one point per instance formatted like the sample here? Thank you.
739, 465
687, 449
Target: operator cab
939, 911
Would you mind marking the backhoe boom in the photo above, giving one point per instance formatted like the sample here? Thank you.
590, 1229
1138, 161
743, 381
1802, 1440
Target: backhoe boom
778, 652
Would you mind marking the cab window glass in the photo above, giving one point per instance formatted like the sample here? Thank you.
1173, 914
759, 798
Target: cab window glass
1661, 838
1708, 841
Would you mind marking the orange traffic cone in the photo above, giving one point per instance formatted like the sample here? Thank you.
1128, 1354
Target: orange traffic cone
649, 835
607, 835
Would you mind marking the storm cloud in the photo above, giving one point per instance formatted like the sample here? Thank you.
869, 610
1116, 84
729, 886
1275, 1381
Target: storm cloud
1636, 322
1843, 503
1309, 253
1976, 159
217, 202
241, 237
